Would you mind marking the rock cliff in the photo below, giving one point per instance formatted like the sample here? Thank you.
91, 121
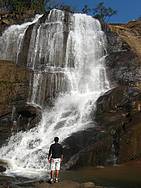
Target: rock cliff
14, 87
123, 58
117, 115
116, 138
119, 109
8, 18
14, 82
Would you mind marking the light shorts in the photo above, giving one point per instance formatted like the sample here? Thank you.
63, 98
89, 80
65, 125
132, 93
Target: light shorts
55, 164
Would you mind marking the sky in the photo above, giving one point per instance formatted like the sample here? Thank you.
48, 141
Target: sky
127, 9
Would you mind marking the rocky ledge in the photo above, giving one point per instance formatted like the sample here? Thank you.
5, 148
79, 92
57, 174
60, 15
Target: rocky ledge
8, 182
15, 113
10, 18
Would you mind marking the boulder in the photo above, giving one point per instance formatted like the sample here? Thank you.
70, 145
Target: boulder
88, 185
116, 105
2, 169
119, 111
91, 147
26, 117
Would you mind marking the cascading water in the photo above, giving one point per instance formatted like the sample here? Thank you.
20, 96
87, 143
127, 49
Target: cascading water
11, 40
83, 71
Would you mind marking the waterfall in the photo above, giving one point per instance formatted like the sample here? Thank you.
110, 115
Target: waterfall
11, 40
83, 79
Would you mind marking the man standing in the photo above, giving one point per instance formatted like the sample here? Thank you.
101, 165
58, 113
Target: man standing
55, 158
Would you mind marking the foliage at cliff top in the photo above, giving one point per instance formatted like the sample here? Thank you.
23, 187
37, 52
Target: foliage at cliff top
100, 12
23, 5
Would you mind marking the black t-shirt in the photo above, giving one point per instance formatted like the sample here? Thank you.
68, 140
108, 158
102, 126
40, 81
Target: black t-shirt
56, 151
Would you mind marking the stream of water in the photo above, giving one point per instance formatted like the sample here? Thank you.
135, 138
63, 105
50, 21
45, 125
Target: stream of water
84, 72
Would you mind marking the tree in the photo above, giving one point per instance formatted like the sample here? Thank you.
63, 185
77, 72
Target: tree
50, 4
67, 8
86, 9
38, 5
103, 13
23, 5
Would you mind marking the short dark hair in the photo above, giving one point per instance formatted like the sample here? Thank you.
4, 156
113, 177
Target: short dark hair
56, 139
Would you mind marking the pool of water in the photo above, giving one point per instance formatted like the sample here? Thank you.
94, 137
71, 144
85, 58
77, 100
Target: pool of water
123, 176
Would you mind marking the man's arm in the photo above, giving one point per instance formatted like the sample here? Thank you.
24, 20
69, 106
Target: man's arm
62, 153
50, 153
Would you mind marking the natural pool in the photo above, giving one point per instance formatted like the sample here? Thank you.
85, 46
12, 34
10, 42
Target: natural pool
126, 175
123, 176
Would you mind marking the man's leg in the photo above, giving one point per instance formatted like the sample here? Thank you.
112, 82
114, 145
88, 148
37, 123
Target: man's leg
57, 176
57, 173
52, 167
57, 169
52, 174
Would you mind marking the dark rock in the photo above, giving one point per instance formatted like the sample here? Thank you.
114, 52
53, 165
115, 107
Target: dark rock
122, 62
23, 55
88, 185
14, 84
2, 169
51, 85
89, 147
118, 111
116, 104
8, 18
26, 117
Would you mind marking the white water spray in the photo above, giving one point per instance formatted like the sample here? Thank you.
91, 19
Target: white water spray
71, 113
11, 40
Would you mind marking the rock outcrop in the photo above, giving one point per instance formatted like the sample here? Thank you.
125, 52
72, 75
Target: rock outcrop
116, 138
14, 83
119, 111
14, 86
9, 182
123, 54
8, 18
131, 34
91, 147
117, 114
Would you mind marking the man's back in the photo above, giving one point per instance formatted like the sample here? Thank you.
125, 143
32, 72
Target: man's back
55, 158
56, 150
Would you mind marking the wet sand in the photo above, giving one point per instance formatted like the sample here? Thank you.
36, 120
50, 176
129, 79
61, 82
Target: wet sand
127, 175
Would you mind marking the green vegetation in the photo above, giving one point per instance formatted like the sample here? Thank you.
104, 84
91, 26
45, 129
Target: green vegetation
23, 5
86, 9
101, 12
39, 6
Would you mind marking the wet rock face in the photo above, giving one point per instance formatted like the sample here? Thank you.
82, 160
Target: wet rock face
90, 147
119, 111
8, 18
122, 62
117, 103
50, 85
14, 84
118, 126
23, 54
25, 118
51, 31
